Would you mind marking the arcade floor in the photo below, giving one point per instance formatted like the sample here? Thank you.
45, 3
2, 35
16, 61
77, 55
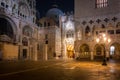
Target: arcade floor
59, 70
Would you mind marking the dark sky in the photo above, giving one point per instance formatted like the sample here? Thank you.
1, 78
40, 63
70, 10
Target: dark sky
44, 5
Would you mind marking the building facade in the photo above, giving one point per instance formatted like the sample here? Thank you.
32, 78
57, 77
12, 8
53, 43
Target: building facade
58, 29
93, 19
18, 31
22, 39
91, 33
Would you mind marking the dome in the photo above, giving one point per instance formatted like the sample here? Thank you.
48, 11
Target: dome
54, 13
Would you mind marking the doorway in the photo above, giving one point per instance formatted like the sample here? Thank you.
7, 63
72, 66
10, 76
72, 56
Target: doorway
70, 51
112, 51
115, 51
24, 53
84, 51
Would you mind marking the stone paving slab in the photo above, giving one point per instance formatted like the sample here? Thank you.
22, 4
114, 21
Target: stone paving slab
60, 70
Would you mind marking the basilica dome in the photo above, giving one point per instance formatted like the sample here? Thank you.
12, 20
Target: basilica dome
54, 13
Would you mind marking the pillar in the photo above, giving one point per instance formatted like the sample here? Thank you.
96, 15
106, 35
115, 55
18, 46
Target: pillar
107, 54
92, 55
35, 57
65, 52
46, 50
46, 56
20, 55
76, 55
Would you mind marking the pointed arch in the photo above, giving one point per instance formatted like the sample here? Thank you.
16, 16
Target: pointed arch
25, 41
118, 24
24, 9
116, 52
27, 31
99, 49
84, 51
87, 31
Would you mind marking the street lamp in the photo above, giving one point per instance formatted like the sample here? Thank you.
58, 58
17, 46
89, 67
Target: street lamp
103, 39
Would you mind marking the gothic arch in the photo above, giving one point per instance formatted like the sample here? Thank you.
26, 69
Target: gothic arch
87, 31
27, 31
24, 9
118, 24
25, 41
84, 47
70, 34
84, 51
99, 49
11, 25
93, 29
79, 34
116, 52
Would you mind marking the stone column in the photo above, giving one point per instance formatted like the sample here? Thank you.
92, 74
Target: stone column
107, 55
92, 55
76, 54
35, 57
46, 47
20, 56
65, 52
116, 54
46, 50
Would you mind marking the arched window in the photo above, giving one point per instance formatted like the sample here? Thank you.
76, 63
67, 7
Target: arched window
6, 28
101, 3
70, 34
118, 24
103, 26
79, 35
2, 4
25, 42
14, 8
48, 24
44, 24
98, 50
87, 31
24, 10
27, 31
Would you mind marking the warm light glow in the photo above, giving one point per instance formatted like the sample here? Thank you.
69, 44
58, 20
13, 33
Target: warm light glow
69, 25
112, 50
70, 40
109, 40
69, 47
105, 39
104, 35
97, 40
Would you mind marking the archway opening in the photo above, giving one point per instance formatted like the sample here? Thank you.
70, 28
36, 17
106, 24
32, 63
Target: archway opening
70, 51
25, 48
24, 53
115, 51
84, 51
6, 30
25, 41
112, 50
98, 50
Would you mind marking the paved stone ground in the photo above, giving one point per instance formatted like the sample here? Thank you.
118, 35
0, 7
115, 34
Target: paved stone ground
59, 70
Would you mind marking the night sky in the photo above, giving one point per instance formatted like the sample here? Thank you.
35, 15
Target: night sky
44, 5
